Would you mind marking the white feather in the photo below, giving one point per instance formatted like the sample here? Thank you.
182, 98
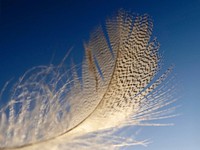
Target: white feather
54, 108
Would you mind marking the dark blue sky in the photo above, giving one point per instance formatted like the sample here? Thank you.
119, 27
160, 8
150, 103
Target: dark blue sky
32, 31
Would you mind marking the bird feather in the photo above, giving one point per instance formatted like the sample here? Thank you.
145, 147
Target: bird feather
54, 108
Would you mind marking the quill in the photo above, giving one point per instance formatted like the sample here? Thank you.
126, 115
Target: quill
120, 85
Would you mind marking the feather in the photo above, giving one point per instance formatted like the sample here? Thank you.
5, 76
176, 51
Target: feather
55, 108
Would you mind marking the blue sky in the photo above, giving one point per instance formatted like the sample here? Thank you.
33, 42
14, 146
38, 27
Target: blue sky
31, 32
